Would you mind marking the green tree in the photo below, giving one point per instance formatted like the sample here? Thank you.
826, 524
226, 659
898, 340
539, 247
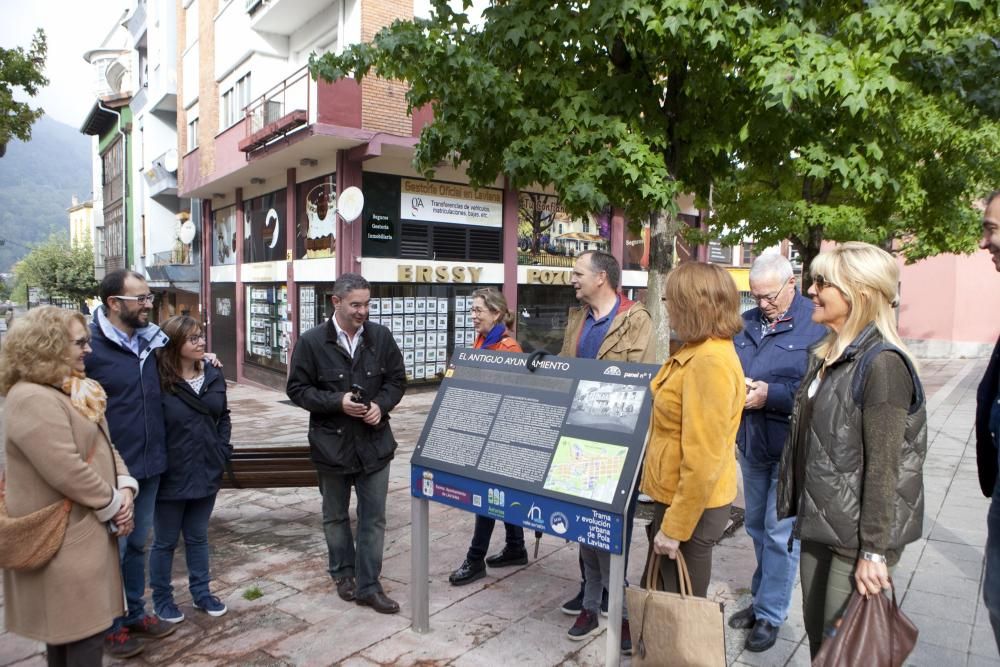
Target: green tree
22, 69
58, 269
634, 102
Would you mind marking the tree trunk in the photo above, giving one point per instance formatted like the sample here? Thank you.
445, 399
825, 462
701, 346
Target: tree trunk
808, 249
663, 229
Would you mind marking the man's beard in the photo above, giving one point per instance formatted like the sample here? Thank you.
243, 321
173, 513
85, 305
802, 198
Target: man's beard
135, 320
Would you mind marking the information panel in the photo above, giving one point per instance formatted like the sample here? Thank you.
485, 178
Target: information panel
554, 450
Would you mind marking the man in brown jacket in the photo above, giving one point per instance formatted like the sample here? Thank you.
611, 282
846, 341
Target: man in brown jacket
606, 326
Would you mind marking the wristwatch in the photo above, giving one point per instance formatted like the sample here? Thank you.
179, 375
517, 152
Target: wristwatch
875, 558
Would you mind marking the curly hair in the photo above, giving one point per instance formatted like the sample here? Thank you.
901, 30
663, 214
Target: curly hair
34, 349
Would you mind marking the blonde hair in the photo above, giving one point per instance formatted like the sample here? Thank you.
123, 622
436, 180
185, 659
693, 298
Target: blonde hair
496, 303
702, 302
34, 350
868, 279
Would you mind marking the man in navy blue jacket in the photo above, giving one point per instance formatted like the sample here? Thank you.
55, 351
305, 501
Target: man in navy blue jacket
123, 361
774, 350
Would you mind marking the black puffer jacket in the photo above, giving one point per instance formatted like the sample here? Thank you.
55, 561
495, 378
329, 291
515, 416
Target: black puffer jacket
822, 466
322, 372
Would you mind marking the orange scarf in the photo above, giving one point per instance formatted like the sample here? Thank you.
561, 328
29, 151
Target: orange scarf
86, 395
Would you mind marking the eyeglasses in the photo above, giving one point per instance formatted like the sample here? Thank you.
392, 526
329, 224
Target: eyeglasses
142, 298
770, 299
822, 283
478, 311
82, 342
195, 339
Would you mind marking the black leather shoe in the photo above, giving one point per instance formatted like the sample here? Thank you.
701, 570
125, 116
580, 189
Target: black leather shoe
469, 571
508, 557
347, 588
380, 602
762, 637
743, 619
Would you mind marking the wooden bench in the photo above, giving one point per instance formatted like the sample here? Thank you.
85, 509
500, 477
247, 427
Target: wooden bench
269, 468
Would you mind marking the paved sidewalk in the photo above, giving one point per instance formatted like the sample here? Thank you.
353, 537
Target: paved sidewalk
271, 543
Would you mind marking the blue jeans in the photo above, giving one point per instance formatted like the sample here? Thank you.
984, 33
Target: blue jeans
363, 562
172, 518
132, 551
774, 577
991, 581
484, 531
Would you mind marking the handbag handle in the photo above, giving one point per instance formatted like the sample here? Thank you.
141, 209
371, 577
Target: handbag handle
683, 575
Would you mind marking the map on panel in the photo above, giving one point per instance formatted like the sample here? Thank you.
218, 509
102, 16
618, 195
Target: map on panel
586, 469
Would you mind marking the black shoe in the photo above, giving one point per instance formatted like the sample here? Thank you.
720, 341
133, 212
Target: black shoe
469, 571
743, 619
586, 625
508, 557
762, 637
575, 606
120, 645
604, 603
380, 602
347, 588
150, 627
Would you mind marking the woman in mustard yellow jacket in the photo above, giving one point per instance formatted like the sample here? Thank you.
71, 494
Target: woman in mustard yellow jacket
698, 396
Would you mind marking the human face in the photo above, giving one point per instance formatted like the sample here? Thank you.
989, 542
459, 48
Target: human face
991, 231
483, 319
77, 346
352, 311
773, 295
133, 305
832, 308
586, 281
193, 348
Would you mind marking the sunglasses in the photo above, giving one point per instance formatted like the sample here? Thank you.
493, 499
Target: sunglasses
822, 283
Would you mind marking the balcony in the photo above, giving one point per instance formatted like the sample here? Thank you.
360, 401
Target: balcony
178, 268
180, 256
281, 111
161, 176
284, 17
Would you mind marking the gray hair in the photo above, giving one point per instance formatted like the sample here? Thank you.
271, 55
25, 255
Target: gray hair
606, 262
349, 282
771, 264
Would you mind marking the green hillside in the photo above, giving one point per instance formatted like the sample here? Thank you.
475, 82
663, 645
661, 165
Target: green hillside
37, 182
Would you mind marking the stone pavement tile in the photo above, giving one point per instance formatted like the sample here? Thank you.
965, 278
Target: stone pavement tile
14, 648
447, 640
336, 639
253, 564
516, 596
272, 592
939, 552
778, 654
962, 610
531, 642
358, 661
943, 533
932, 581
983, 641
801, 656
34, 661
314, 607
793, 629
982, 661
940, 631
929, 655
305, 574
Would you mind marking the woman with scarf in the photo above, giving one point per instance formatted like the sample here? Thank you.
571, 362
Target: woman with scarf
57, 446
196, 416
492, 321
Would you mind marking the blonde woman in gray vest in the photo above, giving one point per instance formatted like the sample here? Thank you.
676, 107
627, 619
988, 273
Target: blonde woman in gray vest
851, 474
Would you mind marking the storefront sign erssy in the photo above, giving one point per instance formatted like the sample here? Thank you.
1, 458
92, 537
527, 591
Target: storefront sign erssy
438, 274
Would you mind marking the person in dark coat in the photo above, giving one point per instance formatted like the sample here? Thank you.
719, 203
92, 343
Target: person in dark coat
198, 428
349, 374
774, 351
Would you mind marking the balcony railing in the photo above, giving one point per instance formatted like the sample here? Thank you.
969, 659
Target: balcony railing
282, 110
176, 257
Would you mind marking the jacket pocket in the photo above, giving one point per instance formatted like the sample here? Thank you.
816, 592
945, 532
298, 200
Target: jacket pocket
334, 378
789, 358
328, 447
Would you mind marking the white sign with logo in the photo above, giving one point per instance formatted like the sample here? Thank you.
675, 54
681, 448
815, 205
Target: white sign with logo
429, 201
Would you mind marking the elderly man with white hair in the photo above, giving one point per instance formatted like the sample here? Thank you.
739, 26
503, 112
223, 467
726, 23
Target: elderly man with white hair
773, 348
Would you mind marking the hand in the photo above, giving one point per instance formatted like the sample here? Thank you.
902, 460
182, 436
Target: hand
374, 415
125, 513
125, 529
871, 577
352, 409
757, 396
665, 546
211, 358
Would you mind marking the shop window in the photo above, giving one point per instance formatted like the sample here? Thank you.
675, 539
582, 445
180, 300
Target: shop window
224, 235
267, 325
548, 236
265, 217
317, 218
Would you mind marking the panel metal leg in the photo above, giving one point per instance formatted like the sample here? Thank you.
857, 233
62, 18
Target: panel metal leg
616, 580
420, 566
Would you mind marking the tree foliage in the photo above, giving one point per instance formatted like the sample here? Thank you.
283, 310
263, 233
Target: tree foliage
805, 119
58, 269
21, 69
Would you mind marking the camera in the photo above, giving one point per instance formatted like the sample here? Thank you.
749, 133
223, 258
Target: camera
358, 395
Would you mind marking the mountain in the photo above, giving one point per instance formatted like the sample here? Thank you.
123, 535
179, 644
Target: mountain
37, 182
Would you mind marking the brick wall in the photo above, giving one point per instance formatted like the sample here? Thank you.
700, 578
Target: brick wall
182, 119
208, 88
383, 102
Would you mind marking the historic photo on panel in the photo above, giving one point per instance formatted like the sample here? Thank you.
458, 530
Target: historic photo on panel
606, 405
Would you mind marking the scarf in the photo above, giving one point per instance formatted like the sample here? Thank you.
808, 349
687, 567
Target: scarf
494, 336
86, 395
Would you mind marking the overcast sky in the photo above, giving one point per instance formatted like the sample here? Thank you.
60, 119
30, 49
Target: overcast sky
72, 28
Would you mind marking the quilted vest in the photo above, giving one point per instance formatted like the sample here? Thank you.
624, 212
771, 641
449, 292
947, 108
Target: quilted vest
823, 489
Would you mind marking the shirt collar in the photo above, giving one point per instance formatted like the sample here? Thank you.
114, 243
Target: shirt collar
340, 331
611, 313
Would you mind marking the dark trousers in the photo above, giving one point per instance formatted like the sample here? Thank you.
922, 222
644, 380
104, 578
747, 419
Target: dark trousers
173, 518
86, 652
991, 580
697, 550
629, 522
484, 531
